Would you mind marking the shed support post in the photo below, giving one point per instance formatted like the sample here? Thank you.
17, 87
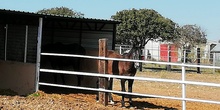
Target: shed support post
25, 45
6, 40
39, 39
103, 82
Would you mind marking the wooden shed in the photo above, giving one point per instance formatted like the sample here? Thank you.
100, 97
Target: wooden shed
23, 33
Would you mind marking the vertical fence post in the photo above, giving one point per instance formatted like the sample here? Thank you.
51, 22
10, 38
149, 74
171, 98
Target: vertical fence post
120, 49
183, 84
39, 40
169, 57
103, 82
140, 58
198, 60
213, 61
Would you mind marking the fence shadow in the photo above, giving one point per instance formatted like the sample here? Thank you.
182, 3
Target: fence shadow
179, 70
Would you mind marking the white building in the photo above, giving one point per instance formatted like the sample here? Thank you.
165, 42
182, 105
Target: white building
152, 50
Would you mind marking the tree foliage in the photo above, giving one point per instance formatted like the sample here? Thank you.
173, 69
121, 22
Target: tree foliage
143, 25
63, 11
190, 36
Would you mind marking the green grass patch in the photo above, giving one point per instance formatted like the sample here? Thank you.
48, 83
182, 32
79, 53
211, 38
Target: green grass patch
36, 94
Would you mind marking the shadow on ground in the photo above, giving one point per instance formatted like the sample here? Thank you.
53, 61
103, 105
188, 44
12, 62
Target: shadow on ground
137, 104
144, 104
8, 92
60, 90
156, 69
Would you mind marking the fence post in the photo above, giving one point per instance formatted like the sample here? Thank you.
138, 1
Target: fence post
183, 84
198, 60
213, 61
103, 82
120, 51
39, 42
169, 57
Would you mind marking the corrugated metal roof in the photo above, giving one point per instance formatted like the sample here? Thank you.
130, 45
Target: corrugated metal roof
216, 49
57, 16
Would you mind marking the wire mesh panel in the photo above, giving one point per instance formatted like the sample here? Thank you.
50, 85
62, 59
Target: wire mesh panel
2, 41
32, 44
16, 42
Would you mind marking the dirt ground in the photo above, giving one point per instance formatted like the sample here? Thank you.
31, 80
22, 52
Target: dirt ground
66, 99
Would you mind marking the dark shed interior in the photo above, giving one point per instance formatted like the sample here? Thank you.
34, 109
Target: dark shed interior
19, 32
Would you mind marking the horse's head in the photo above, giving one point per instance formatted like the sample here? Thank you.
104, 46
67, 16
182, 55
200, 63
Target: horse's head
134, 54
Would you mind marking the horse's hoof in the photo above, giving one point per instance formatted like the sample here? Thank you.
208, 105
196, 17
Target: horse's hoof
112, 102
131, 107
123, 107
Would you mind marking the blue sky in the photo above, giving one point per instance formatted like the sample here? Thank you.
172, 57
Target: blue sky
204, 13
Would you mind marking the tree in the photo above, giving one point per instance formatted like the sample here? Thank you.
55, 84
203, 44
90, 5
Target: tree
63, 11
142, 25
190, 36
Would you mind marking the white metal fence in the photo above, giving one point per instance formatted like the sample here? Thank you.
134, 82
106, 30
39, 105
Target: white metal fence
154, 54
183, 81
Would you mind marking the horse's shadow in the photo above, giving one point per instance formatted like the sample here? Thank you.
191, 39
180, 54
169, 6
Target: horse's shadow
137, 104
147, 105
144, 104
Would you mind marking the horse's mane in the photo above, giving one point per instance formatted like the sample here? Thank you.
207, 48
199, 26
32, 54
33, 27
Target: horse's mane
129, 53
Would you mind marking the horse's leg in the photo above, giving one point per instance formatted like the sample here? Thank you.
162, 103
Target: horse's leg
110, 84
54, 66
97, 86
123, 90
79, 77
61, 67
55, 77
130, 83
62, 78
76, 67
79, 80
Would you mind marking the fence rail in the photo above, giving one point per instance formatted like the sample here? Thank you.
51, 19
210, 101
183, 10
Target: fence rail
182, 81
130, 60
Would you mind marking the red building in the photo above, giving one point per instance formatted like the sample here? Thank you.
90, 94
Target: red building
164, 50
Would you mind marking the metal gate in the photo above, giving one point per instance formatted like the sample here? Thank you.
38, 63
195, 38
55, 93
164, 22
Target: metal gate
183, 81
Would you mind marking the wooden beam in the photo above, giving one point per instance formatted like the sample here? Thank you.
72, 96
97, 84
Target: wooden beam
73, 25
103, 82
102, 26
87, 24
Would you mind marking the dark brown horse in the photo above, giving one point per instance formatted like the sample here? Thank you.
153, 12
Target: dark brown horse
61, 63
123, 68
